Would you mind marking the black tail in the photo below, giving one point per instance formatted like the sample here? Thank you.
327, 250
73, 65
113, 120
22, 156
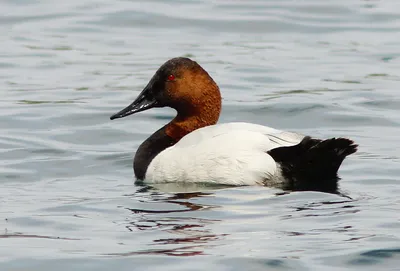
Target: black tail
313, 164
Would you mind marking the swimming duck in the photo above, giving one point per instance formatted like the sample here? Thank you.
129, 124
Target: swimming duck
194, 148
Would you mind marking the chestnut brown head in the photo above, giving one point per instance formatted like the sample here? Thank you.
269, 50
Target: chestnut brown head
182, 84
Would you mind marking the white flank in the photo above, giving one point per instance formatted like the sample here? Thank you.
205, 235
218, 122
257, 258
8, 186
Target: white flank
230, 153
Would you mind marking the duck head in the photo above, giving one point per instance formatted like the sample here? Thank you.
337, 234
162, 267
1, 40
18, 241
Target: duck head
183, 85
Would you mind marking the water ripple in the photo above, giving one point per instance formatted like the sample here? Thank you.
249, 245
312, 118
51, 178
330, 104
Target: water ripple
68, 194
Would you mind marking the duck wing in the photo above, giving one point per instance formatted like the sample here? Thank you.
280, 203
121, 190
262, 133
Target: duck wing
277, 137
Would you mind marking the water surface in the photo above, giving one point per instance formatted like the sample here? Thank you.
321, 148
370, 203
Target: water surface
68, 196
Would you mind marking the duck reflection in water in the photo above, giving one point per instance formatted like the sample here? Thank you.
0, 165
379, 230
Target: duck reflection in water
192, 234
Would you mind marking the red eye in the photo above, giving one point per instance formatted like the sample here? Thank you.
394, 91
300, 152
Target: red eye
171, 77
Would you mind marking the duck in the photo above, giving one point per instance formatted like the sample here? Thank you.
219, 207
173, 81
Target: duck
194, 148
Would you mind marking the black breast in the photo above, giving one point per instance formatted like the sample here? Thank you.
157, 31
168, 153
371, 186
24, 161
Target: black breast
149, 149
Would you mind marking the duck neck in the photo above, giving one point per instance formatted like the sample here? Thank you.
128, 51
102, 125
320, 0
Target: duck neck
183, 124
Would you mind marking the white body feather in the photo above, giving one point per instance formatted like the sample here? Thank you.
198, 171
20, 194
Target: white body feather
230, 153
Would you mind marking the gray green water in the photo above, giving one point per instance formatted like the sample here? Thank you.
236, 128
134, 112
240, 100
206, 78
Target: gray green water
67, 196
